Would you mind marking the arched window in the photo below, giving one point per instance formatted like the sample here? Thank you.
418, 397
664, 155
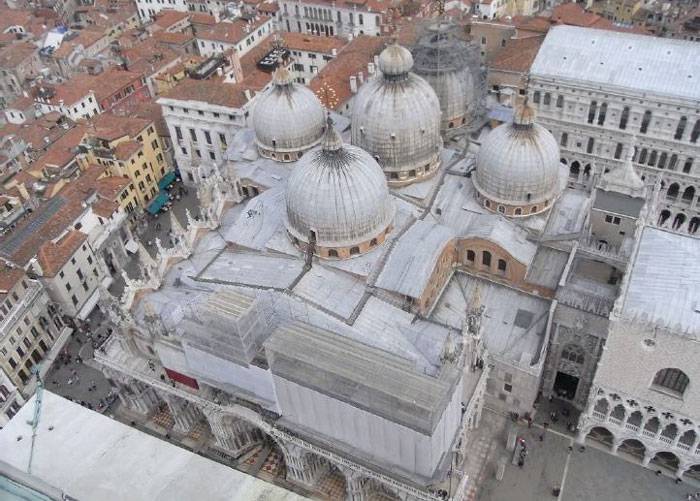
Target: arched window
624, 117
652, 158
564, 139
688, 165
487, 203
643, 156
696, 132
518, 211
672, 192
573, 353
591, 111
688, 194
560, 101
680, 129
646, 119
673, 380
502, 265
471, 256
354, 251
589, 146
501, 209
533, 210
547, 98
332, 253
662, 160
603, 112
486, 258
373, 242
536, 97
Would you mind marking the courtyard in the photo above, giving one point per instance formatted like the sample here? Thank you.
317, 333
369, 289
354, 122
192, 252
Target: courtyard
582, 475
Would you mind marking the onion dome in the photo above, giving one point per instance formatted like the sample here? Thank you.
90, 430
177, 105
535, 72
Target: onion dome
337, 199
518, 168
396, 118
288, 119
443, 61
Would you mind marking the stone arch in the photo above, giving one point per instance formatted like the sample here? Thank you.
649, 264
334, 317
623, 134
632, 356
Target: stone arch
602, 406
687, 439
573, 353
587, 171
377, 491
652, 425
664, 216
633, 447
670, 432
564, 161
574, 170
667, 460
635, 418
688, 194
619, 412
693, 472
678, 220
602, 435
693, 225
672, 192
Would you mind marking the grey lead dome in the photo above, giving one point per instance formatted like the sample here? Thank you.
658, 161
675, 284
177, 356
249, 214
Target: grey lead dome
338, 192
519, 163
288, 119
396, 118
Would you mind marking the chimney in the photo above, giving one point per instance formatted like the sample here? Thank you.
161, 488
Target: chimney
370, 69
361, 76
247, 94
376, 59
353, 84
334, 52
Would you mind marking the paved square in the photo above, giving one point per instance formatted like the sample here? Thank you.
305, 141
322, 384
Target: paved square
585, 476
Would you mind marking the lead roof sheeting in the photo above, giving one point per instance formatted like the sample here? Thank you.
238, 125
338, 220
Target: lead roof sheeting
618, 203
365, 377
637, 63
665, 280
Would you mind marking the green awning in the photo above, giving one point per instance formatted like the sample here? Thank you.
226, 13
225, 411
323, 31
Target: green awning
166, 180
158, 203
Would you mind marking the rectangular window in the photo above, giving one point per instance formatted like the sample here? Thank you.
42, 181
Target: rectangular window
193, 135
207, 136
89, 260
74, 299
79, 272
508, 387
222, 139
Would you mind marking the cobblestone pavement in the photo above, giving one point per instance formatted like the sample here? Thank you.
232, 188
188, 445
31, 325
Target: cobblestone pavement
586, 475
70, 377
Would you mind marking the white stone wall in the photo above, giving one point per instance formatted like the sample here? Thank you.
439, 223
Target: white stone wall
328, 20
628, 365
199, 116
385, 441
564, 107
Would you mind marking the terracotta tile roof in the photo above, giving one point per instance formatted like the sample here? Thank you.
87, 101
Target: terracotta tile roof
353, 59
202, 18
14, 17
573, 14
312, 43
232, 32
153, 112
21, 103
105, 208
86, 37
268, 7
168, 17
52, 256
126, 149
149, 56
518, 54
173, 37
109, 188
9, 277
529, 23
61, 152
213, 92
16, 53
360, 5
109, 126
113, 80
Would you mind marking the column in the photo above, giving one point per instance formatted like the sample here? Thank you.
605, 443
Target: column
648, 456
615, 446
183, 412
354, 484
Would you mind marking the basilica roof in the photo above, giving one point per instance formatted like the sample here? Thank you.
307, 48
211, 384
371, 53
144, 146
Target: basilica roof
519, 163
288, 117
396, 115
339, 193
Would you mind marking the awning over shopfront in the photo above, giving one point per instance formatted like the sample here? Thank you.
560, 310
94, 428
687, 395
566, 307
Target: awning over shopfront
166, 180
158, 203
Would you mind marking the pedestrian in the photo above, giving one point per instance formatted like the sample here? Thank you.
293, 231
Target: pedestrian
529, 421
582, 448
545, 425
541, 437
678, 480
571, 449
658, 473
